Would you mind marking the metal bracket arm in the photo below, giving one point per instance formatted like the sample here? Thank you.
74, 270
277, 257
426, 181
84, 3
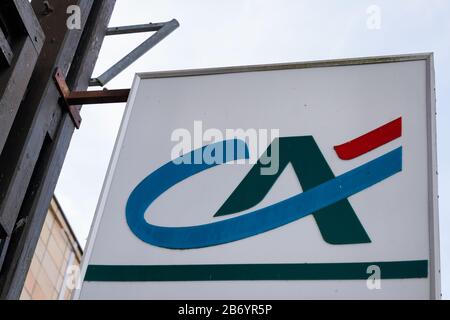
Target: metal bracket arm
162, 30
72, 100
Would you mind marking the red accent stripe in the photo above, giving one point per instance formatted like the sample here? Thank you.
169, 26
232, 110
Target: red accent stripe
370, 141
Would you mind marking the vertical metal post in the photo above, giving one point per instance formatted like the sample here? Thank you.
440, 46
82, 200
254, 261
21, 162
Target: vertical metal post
21, 41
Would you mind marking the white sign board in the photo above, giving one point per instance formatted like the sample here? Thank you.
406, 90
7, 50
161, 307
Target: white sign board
328, 191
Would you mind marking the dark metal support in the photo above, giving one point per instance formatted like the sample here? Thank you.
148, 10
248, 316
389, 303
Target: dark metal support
21, 41
34, 152
161, 33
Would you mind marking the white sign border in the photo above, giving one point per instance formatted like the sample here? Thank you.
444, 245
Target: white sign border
433, 210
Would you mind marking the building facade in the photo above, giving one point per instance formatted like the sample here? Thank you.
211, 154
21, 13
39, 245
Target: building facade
56, 259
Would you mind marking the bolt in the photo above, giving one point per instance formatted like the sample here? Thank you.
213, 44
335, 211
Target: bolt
48, 8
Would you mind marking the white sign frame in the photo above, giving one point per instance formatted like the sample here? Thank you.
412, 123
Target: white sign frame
434, 262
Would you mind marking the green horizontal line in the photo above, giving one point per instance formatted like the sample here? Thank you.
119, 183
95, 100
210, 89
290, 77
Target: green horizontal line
227, 272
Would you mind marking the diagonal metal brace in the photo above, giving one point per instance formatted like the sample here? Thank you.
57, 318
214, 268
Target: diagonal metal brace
5, 49
162, 31
72, 100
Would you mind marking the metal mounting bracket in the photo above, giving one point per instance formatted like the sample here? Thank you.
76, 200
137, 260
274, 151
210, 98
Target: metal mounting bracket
72, 100
162, 29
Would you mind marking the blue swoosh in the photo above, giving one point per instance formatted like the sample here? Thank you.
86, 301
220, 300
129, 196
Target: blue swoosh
252, 223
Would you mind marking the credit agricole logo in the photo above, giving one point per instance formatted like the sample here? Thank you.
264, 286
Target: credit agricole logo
324, 196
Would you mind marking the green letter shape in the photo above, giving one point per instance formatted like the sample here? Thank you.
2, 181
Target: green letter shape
337, 223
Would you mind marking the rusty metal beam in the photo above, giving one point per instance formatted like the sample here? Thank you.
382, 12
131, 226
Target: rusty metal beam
98, 97
88, 97
71, 100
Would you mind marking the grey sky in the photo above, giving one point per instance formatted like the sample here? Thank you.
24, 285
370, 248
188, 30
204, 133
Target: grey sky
237, 32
